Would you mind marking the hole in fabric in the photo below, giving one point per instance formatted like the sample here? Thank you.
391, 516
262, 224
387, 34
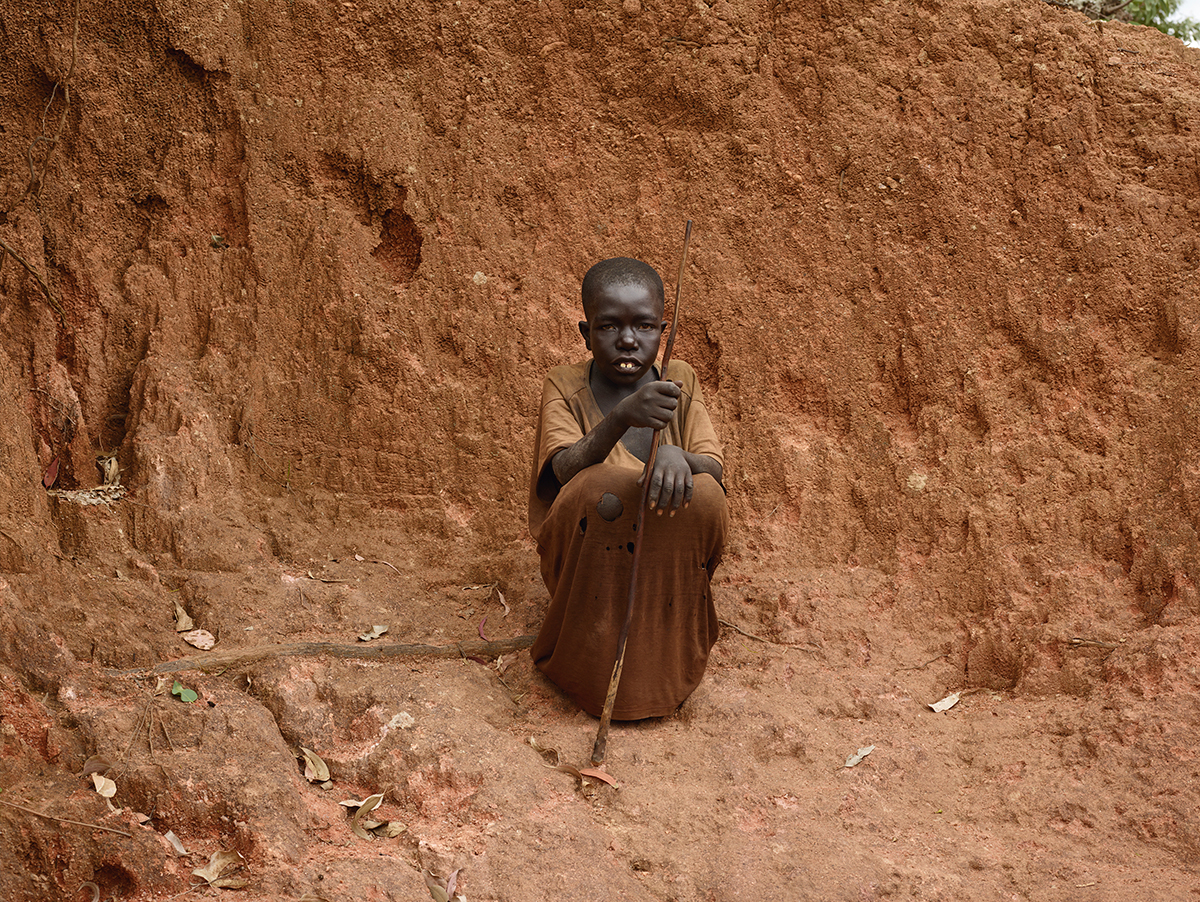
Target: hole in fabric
582, 525
629, 547
610, 507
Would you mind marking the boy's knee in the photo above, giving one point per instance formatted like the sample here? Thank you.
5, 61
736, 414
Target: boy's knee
610, 507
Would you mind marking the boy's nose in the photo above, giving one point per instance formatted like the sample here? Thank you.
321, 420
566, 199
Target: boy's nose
627, 338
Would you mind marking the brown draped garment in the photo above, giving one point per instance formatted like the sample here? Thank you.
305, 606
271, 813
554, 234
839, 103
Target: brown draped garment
585, 532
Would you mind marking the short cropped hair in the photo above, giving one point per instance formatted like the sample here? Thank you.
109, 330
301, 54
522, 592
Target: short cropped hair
620, 271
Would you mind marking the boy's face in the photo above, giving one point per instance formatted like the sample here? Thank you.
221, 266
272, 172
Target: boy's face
623, 331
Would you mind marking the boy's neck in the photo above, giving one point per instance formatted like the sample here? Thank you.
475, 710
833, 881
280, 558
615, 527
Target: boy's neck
608, 395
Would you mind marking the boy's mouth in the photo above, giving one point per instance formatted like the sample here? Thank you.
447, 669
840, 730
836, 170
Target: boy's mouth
627, 366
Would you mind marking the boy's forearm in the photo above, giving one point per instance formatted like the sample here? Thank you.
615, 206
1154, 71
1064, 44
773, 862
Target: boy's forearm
591, 449
595, 447
702, 463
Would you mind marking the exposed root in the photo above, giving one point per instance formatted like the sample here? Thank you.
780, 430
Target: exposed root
223, 660
38, 278
64, 820
38, 179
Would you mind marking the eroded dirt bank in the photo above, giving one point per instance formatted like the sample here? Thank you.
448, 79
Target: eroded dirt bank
304, 267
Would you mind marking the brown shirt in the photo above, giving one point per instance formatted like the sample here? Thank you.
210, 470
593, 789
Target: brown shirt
569, 411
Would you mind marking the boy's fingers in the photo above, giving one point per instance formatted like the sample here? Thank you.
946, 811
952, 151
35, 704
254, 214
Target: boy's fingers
656, 482
683, 491
666, 492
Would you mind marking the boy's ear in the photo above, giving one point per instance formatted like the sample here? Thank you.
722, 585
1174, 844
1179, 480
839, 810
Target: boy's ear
663, 330
586, 333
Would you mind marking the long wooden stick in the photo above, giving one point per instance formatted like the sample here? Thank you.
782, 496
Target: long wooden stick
601, 744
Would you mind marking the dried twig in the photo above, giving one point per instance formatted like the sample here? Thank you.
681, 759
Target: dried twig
1078, 642
733, 626
64, 820
163, 726
926, 664
249, 444
322, 579
219, 660
137, 729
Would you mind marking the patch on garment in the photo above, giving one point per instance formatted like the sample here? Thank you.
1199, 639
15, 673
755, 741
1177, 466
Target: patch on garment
610, 507
582, 525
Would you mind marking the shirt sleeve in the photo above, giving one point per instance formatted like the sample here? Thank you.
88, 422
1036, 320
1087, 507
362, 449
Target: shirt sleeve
557, 429
697, 435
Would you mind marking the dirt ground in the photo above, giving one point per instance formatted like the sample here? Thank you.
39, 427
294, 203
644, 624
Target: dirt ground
299, 269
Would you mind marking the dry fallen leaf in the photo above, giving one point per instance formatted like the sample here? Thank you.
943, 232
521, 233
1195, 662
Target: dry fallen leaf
175, 843
436, 889
315, 769
51, 475
96, 765
104, 786
369, 804
597, 774
375, 633
862, 753
389, 830
548, 753
218, 863
359, 558
946, 704
503, 603
183, 623
553, 760
442, 890
201, 639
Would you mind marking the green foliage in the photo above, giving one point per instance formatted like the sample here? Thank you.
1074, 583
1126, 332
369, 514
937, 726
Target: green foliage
185, 694
1159, 14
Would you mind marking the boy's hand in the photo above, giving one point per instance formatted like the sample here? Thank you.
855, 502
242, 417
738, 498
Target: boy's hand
651, 406
671, 481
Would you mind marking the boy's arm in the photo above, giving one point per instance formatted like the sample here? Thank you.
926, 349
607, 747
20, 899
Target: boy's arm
702, 463
653, 405
671, 484
591, 449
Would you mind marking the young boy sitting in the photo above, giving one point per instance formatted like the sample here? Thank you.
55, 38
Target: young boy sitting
595, 428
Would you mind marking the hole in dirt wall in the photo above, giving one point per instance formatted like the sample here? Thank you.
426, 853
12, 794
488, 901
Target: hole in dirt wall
399, 248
